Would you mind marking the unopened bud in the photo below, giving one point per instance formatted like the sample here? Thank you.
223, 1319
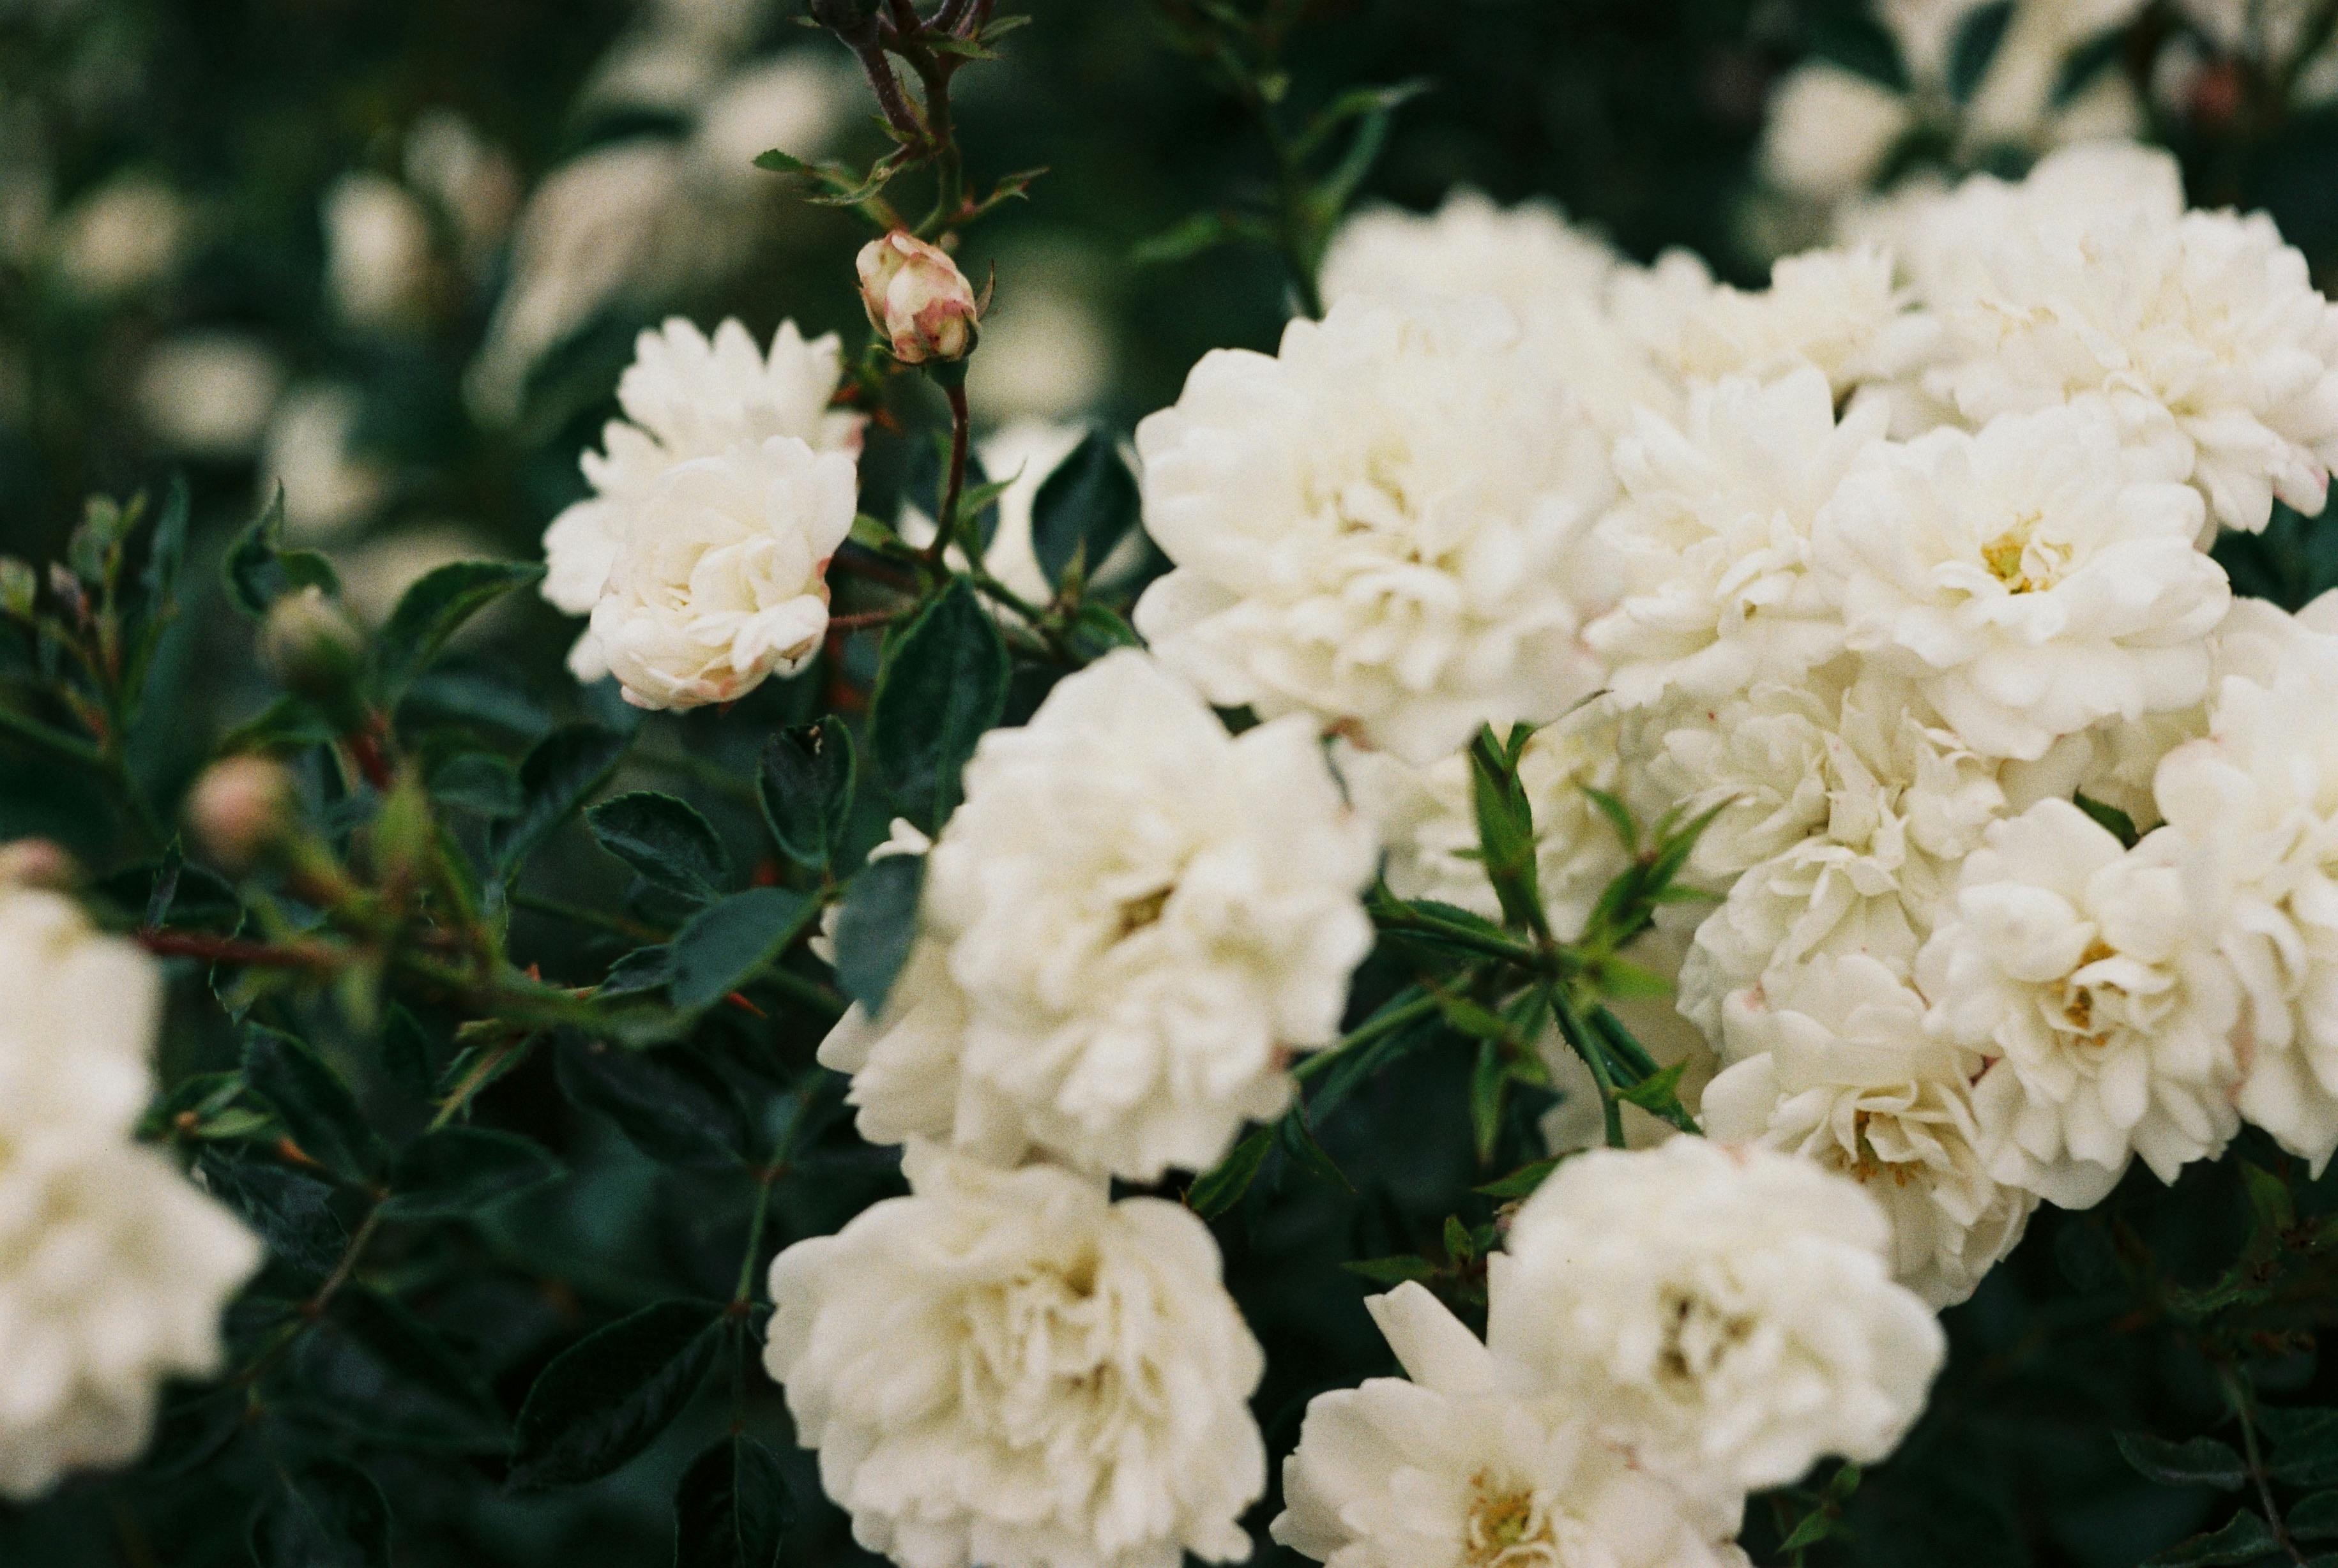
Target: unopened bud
240, 808
917, 296
38, 863
312, 645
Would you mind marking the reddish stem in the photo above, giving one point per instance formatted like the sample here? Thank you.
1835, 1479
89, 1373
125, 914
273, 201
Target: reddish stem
228, 950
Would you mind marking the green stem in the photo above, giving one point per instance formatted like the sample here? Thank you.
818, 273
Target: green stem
1379, 1026
599, 920
2237, 1395
1571, 1024
765, 1180
71, 747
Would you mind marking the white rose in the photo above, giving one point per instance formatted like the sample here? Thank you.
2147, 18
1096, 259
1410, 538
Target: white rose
377, 251
721, 580
1008, 1369
114, 1271
1125, 930
2031, 579
1383, 526
1714, 537
1831, 131
1833, 1064
77, 1035
686, 396
2089, 974
1457, 1469
1731, 1308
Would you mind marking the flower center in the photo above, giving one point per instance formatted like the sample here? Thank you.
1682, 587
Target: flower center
2022, 562
1698, 1337
1507, 1528
1137, 914
2078, 1000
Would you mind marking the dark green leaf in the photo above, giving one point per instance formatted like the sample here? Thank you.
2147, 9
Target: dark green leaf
477, 781
878, 927
373, 1366
733, 1509
311, 1100
666, 840
2244, 1539
1860, 45
327, 1514
1085, 509
1973, 49
460, 1170
434, 610
260, 571
673, 1107
1658, 1096
1506, 832
943, 683
1220, 1190
1521, 1182
167, 552
2305, 1444
2121, 825
2200, 1462
2313, 1518
639, 972
807, 782
558, 777
1299, 1141
727, 943
292, 1212
608, 1396
1489, 1084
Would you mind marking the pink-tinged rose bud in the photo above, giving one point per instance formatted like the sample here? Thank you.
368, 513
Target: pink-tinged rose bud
237, 808
918, 298
38, 863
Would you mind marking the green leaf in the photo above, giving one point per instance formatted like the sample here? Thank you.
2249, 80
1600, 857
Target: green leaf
2244, 1539
166, 551
733, 1509
1816, 1526
1392, 1270
1506, 832
2269, 1198
1489, 1083
807, 782
1659, 1095
727, 943
312, 1102
666, 841
1619, 814
1194, 236
327, 1514
372, 1367
1458, 1245
1974, 47
1085, 509
671, 1105
260, 571
460, 1170
562, 773
878, 928
2199, 1462
1860, 45
943, 683
2305, 1444
1521, 1182
477, 781
2314, 1517
292, 1212
643, 970
435, 608
1355, 103
1220, 1190
1299, 1141
608, 1396
2120, 824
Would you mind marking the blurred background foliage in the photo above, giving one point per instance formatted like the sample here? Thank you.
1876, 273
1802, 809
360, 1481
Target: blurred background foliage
392, 256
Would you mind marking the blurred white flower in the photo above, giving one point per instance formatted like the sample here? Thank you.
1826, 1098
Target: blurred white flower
2031, 580
378, 252
1831, 131
77, 1032
794, 101
128, 234
1008, 1369
2089, 973
1730, 1308
687, 396
310, 452
1047, 343
472, 180
1129, 925
719, 578
1833, 1064
208, 394
1713, 538
1383, 527
113, 1272
376, 571
1453, 1466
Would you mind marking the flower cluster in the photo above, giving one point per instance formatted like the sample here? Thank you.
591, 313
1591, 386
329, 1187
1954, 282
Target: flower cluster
113, 1268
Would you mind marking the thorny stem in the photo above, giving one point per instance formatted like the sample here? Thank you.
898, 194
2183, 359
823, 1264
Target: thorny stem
228, 950
1571, 1024
2238, 1397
